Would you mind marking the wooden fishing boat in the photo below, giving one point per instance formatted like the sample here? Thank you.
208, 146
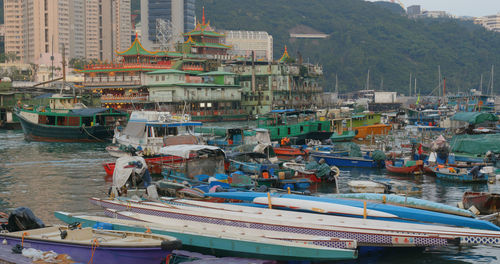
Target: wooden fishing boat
403, 213
404, 201
346, 135
155, 165
417, 168
367, 232
368, 124
461, 175
97, 246
297, 125
65, 120
223, 240
289, 153
486, 203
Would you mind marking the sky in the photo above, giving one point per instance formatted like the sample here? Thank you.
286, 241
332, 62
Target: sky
458, 7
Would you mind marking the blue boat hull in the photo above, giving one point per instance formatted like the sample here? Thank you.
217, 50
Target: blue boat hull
404, 213
464, 177
342, 161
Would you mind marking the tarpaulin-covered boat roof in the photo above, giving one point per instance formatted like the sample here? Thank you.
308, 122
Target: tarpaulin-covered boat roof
184, 150
474, 117
92, 111
476, 144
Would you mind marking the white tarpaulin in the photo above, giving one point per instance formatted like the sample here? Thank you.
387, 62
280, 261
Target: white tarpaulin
184, 150
122, 173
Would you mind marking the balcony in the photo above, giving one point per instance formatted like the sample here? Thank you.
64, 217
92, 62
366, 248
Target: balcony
109, 98
121, 66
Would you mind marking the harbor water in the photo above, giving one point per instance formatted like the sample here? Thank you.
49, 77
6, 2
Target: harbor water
48, 177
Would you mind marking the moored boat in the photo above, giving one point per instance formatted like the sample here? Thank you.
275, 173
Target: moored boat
459, 175
404, 201
367, 232
296, 125
65, 120
149, 131
485, 202
404, 213
96, 246
223, 240
333, 159
416, 167
155, 165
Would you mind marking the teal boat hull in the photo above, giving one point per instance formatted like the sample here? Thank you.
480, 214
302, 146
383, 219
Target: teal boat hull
223, 247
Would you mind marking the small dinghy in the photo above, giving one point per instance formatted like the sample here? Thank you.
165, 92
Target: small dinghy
95, 245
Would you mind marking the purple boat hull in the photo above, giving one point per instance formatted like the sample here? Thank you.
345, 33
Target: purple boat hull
103, 254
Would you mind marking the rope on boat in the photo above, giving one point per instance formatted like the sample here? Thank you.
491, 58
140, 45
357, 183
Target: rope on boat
22, 238
88, 133
93, 247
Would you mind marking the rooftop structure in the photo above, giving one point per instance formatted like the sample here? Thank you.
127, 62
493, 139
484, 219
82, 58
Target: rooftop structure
245, 42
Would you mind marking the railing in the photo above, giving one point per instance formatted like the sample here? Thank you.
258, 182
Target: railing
110, 83
124, 98
128, 66
218, 112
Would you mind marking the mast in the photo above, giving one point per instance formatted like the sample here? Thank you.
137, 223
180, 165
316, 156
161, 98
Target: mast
368, 80
492, 78
481, 84
410, 86
336, 84
439, 80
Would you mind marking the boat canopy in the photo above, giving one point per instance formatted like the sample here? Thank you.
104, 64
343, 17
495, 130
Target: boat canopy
476, 144
88, 111
176, 124
474, 117
184, 150
135, 129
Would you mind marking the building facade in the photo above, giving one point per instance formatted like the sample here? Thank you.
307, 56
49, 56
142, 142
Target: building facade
489, 22
179, 13
244, 42
90, 29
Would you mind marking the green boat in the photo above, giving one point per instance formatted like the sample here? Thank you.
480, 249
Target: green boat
218, 242
296, 125
67, 120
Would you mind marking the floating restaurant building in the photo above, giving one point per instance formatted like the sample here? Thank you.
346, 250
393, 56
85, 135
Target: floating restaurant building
201, 79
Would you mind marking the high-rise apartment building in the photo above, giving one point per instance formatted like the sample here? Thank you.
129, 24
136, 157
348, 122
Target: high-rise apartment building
244, 42
179, 13
92, 29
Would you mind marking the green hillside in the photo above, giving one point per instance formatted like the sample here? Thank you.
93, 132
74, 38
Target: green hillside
365, 35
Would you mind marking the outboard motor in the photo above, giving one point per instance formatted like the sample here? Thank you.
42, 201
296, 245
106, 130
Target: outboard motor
22, 218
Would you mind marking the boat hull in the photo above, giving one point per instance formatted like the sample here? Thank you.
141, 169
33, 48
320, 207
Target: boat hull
416, 169
341, 161
364, 131
219, 246
45, 133
459, 177
102, 254
486, 203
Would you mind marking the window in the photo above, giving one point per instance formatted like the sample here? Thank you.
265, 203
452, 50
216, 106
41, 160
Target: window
163, 78
157, 78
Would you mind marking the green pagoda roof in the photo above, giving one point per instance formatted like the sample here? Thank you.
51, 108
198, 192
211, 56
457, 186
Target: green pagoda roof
216, 73
203, 33
169, 71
